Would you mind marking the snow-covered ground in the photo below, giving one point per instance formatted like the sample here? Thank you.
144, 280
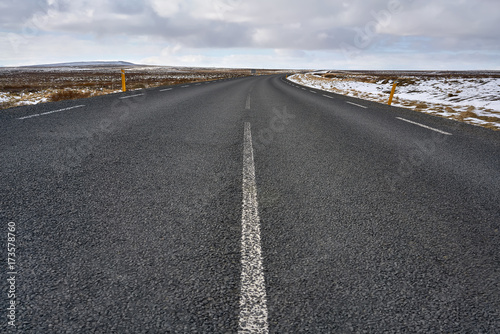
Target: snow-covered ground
23, 98
8, 100
470, 98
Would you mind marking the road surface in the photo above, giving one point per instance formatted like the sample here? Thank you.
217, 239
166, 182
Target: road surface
251, 205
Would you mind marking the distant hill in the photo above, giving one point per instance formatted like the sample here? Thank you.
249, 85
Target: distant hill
86, 64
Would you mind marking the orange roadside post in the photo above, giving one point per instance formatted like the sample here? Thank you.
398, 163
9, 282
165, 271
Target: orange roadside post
392, 92
124, 86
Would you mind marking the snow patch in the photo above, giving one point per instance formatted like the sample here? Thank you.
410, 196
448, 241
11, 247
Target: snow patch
475, 100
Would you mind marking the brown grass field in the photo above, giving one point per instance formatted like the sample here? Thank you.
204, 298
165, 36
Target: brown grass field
30, 85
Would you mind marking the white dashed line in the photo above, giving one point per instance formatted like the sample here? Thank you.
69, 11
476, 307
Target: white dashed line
185, 86
164, 90
303, 89
312, 91
357, 105
247, 105
328, 96
198, 84
424, 126
128, 97
50, 112
253, 308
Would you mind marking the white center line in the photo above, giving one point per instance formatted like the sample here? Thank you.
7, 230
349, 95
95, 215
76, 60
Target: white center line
164, 90
247, 105
128, 97
253, 307
357, 105
424, 126
50, 112
328, 96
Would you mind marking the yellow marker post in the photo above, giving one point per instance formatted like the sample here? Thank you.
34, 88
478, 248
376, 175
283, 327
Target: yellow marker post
392, 92
124, 86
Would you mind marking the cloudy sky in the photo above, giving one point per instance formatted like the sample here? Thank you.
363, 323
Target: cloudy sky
312, 34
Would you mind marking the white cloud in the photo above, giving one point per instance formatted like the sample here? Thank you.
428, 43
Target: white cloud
168, 28
171, 50
166, 8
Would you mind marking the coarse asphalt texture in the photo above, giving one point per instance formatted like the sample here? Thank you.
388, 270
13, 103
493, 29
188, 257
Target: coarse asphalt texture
128, 213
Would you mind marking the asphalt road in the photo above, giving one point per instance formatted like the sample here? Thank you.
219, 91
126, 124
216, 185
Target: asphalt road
251, 203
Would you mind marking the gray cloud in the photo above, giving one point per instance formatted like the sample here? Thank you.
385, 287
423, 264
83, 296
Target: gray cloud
378, 26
